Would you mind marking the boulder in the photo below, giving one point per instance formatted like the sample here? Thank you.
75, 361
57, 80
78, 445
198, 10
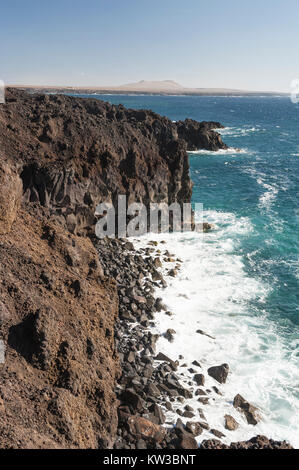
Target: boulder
157, 414
250, 411
162, 357
219, 373
217, 433
169, 335
186, 441
144, 429
199, 379
157, 263
132, 399
173, 272
230, 423
194, 428
201, 332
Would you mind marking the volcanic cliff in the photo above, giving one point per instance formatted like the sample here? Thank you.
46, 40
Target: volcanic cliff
72, 153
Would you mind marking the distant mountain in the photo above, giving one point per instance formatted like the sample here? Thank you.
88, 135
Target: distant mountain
145, 85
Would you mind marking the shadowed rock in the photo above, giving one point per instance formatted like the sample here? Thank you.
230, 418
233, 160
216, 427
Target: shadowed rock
219, 373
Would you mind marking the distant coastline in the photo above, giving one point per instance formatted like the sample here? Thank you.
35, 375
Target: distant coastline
164, 88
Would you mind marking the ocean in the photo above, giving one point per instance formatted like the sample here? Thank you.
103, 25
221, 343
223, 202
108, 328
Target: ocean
239, 283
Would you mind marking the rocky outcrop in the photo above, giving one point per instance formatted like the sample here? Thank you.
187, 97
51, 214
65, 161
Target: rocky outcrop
73, 153
200, 135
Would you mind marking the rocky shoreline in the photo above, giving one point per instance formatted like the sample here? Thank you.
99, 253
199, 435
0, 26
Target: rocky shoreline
149, 386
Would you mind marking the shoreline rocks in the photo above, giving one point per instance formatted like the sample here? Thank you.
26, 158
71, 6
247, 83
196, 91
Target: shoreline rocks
258, 442
150, 387
219, 373
250, 411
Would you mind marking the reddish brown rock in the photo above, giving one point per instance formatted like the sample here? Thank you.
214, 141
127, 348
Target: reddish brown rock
145, 429
186, 441
230, 423
57, 383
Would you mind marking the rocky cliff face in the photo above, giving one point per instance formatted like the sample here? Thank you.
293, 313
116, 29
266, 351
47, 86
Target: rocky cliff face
74, 153
57, 316
60, 157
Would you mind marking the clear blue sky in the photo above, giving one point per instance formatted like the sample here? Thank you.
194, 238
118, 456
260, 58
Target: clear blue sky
248, 44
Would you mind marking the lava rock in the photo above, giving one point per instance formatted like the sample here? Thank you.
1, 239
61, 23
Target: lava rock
250, 411
219, 373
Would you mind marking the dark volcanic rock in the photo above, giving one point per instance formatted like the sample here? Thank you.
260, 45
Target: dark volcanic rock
129, 397
219, 373
73, 153
198, 134
199, 379
163, 357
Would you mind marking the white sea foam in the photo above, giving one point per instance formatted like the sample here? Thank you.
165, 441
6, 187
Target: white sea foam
213, 292
269, 195
229, 151
240, 131
271, 188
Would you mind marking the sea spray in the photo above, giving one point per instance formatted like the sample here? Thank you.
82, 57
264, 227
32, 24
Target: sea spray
213, 293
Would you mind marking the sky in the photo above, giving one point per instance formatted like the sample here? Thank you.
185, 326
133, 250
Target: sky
249, 45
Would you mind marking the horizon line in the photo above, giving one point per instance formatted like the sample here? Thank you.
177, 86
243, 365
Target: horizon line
122, 88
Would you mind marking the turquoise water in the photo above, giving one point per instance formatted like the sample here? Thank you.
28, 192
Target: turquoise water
262, 183
252, 198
